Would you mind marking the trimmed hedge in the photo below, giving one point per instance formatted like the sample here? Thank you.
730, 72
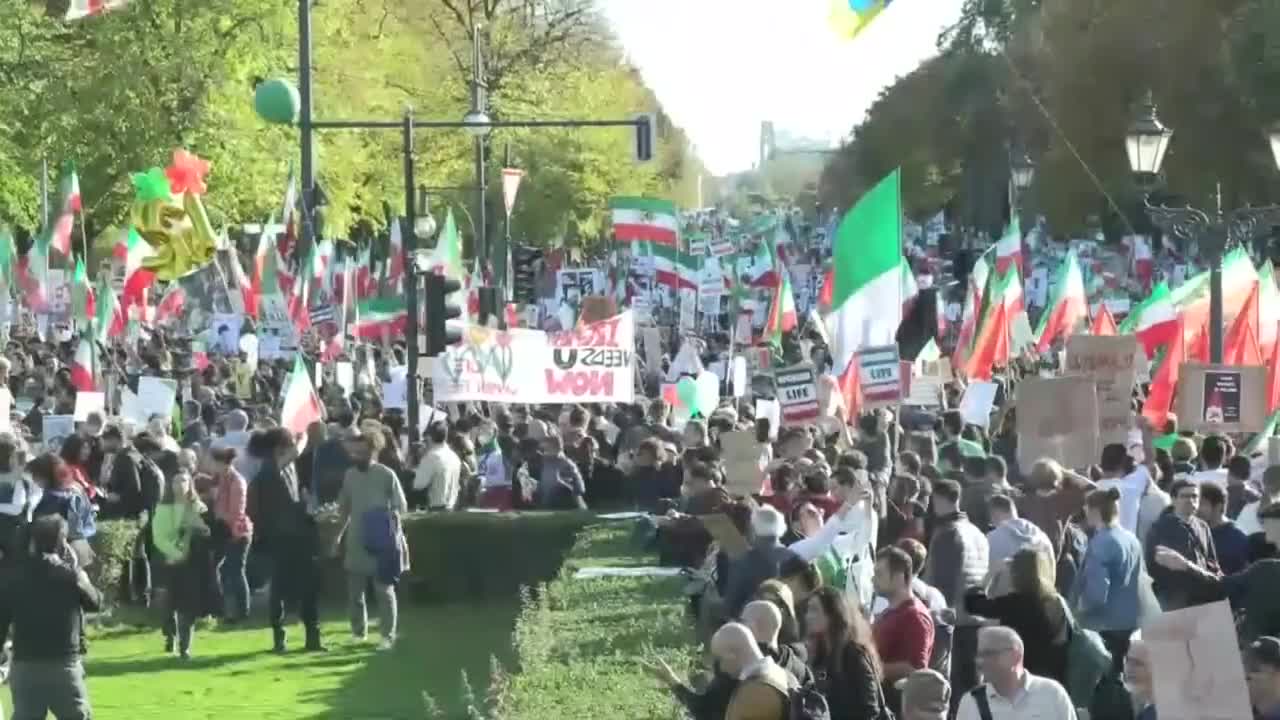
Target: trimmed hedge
455, 556
464, 557
580, 645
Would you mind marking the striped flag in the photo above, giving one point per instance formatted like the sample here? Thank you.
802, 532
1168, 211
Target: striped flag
86, 8
645, 219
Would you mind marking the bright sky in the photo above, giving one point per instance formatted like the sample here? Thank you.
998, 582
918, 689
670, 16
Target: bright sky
720, 67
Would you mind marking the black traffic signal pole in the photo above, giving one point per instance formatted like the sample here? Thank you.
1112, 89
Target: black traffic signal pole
407, 126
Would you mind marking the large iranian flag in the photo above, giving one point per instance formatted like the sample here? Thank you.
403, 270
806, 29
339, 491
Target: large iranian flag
866, 298
379, 315
301, 404
1238, 277
1154, 321
645, 219
1068, 308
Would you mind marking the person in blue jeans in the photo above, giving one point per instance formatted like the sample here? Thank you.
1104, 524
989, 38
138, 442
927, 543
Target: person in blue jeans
229, 507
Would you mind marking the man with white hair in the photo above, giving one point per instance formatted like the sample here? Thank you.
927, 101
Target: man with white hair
1010, 692
1137, 677
763, 687
764, 619
762, 562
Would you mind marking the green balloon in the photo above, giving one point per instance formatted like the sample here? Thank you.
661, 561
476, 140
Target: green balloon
687, 391
277, 101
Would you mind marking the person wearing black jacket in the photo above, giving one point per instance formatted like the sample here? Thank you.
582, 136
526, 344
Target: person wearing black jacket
134, 485
43, 598
281, 519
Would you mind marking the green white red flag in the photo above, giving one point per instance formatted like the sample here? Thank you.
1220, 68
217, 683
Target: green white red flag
782, 311
301, 403
83, 374
379, 315
88, 8
1068, 308
645, 220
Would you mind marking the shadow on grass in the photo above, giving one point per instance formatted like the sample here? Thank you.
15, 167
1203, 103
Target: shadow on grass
437, 645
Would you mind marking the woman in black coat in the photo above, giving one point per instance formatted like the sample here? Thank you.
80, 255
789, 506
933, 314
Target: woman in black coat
1034, 609
843, 656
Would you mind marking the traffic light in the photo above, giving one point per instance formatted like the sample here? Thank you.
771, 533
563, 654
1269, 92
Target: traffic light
490, 308
646, 130
439, 312
524, 274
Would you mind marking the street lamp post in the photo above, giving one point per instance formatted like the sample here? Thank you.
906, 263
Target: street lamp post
477, 123
1022, 171
1146, 143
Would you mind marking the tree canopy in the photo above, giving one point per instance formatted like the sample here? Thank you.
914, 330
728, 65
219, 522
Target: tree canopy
117, 93
1062, 79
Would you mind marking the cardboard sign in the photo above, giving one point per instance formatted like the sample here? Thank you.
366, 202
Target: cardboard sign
1110, 363
1222, 398
798, 394
596, 308
1056, 420
880, 374
156, 396
741, 455
1196, 668
725, 534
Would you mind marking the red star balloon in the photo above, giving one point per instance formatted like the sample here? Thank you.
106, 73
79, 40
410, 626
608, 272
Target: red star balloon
186, 173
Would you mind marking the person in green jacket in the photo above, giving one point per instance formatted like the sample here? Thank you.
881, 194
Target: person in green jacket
177, 524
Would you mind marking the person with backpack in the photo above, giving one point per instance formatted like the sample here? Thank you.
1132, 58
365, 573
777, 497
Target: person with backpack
1010, 692
61, 496
369, 509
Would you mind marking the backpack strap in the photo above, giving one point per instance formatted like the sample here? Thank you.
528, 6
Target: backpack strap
979, 695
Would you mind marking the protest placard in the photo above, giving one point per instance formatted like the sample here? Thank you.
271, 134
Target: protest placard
156, 396
770, 410
1196, 669
55, 429
880, 375
976, 404
1109, 362
89, 402
797, 394
1221, 398
1056, 420
590, 363
725, 534
596, 308
741, 453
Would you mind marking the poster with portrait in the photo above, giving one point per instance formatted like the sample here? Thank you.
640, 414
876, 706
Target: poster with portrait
223, 334
1221, 398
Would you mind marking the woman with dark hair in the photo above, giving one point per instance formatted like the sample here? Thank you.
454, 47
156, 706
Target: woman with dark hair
843, 656
75, 453
229, 508
62, 496
280, 514
1108, 590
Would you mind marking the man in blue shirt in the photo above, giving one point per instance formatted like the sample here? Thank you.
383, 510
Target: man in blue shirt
1262, 666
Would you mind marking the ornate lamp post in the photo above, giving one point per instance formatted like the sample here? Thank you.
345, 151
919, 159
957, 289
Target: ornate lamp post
1146, 143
